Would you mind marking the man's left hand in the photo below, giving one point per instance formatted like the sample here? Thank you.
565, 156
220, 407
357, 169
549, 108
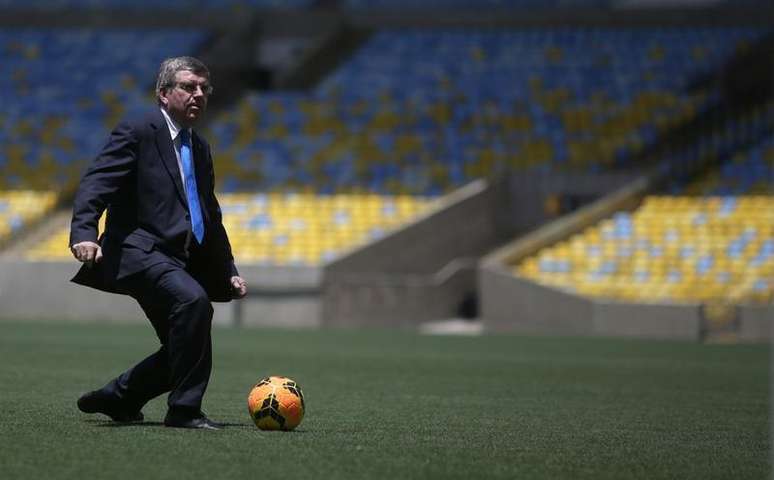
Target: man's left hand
239, 286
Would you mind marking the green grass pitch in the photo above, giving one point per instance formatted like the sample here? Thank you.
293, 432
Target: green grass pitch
394, 404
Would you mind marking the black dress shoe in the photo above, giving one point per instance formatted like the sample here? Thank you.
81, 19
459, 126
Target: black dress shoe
98, 402
200, 421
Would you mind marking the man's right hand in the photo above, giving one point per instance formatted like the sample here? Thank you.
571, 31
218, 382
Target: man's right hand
87, 252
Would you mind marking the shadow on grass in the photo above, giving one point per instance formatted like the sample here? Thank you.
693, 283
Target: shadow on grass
110, 424
247, 426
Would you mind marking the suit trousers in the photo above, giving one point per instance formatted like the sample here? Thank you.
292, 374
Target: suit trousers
181, 314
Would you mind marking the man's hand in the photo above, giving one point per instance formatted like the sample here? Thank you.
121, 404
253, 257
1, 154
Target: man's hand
239, 286
87, 252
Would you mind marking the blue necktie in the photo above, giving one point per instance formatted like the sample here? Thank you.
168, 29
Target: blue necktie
197, 225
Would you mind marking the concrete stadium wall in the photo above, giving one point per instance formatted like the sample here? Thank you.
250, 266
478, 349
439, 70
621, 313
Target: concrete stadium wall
624, 198
42, 291
527, 195
277, 297
463, 222
424, 271
513, 304
755, 323
397, 300
643, 320
420, 272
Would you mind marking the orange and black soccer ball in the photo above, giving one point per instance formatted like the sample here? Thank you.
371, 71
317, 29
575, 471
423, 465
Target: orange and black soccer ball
276, 403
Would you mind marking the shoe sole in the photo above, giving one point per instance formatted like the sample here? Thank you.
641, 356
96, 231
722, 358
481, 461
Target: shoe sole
84, 406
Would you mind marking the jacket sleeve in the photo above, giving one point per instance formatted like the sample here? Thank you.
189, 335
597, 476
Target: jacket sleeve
102, 181
216, 219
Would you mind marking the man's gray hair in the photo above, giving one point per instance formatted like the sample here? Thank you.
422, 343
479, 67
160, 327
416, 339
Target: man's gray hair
171, 66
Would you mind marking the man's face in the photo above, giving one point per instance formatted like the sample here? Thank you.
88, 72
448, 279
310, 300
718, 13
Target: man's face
186, 100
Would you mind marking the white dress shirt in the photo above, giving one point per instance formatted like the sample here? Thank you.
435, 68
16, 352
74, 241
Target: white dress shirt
174, 131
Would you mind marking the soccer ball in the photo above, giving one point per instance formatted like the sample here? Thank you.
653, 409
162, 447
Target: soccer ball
276, 403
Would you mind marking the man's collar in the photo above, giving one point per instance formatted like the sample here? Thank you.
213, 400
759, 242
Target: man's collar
174, 128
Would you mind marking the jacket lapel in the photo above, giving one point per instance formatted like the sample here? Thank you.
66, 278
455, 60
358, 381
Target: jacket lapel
167, 153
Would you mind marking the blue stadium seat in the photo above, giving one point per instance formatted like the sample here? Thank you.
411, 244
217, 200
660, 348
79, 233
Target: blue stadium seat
65, 87
444, 107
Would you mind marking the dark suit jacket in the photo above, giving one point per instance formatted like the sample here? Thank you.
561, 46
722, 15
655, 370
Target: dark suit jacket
137, 180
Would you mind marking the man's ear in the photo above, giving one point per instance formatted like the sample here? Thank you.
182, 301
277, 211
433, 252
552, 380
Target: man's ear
163, 98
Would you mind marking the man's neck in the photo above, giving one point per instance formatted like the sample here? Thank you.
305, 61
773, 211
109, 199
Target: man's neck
173, 126
178, 124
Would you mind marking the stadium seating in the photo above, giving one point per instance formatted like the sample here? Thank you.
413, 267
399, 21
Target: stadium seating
474, 4
290, 229
746, 173
310, 229
412, 113
19, 208
419, 112
62, 89
355, 5
671, 249
169, 4
54, 247
50, 134
715, 242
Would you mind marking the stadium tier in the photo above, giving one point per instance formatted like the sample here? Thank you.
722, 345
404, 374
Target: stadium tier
716, 244
355, 5
474, 4
169, 4
423, 112
63, 89
411, 113
290, 229
503, 5
55, 247
19, 208
310, 229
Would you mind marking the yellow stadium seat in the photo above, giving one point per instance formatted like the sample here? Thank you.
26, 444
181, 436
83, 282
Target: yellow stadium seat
686, 249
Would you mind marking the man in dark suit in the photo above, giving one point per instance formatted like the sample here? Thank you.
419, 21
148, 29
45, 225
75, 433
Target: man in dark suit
164, 244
